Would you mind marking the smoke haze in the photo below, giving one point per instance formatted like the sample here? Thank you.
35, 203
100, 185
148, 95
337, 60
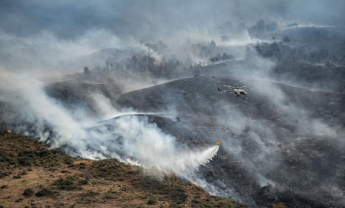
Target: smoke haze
150, 66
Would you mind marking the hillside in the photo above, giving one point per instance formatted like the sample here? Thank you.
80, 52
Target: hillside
279, 144
293, 72
31, 175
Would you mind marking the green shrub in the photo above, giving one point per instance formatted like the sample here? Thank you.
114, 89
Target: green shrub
25, 161
82, 165
69, 183
68, 161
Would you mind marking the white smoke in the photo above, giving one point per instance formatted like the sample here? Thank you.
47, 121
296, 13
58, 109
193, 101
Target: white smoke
31, 104
127, 138
134, 140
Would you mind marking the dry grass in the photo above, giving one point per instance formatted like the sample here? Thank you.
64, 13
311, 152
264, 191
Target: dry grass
59, 180
279, 205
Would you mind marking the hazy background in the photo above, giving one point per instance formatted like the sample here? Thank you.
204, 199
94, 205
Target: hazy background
154, 19
38, 35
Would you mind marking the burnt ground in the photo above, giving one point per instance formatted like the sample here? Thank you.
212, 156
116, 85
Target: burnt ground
272, 151
297, 73
74, 94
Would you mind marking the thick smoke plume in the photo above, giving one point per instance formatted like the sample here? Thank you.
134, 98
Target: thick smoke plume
127, 138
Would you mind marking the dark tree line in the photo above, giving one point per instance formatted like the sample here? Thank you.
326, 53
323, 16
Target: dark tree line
261, 26
224, 57
138, 66
147, 67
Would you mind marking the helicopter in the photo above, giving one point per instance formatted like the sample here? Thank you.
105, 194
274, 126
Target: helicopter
238, 91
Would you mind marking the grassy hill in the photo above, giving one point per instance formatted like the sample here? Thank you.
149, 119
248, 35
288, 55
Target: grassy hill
31, 175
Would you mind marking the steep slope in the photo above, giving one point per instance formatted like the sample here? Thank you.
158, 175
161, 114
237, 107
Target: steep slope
32, 175
279, 144
82, 94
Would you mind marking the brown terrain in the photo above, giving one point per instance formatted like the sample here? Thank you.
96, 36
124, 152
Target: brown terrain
32, 175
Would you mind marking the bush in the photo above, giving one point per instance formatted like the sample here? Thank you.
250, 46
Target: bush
260, 25
152, 201
25, 161
4, 174
69, 183
19, 200
43, 153
68, 161
82, 165
286, 39
28, 192
44, 193
82, 182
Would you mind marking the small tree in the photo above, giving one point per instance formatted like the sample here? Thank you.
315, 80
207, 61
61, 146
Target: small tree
87, 70
271, 26
213, 44
224, 38
260, 25
107, 64
227, 56
286, 39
